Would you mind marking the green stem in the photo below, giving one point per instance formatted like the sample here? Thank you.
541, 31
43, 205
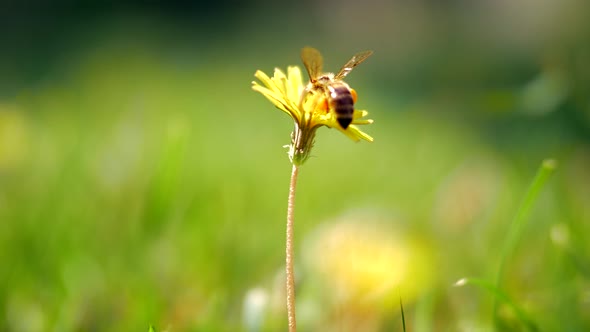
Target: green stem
289, 251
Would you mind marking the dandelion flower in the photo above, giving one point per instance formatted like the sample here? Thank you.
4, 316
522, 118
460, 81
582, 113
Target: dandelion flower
310, 107
309, 110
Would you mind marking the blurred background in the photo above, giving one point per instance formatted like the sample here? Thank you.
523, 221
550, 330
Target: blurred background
143, 182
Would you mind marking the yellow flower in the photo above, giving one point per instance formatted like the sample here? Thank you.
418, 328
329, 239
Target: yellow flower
364, 262
309, 110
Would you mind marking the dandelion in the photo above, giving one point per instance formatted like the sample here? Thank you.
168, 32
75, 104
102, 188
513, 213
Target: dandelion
310, 108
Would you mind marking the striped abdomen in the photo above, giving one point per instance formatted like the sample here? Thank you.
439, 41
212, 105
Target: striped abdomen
342, 103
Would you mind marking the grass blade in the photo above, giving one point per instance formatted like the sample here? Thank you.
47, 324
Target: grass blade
499, 295
515, 232
401, 305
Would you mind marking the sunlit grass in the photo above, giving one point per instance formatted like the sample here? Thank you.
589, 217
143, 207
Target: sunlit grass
515, 233
135, 193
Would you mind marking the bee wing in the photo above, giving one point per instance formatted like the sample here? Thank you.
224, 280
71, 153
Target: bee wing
313, 61
353, 62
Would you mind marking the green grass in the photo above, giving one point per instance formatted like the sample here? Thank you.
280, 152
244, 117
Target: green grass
134, 190
401, 307
500, 297
515, 233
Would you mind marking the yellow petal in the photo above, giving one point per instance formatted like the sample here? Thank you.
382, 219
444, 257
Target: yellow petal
359, 133
273, 98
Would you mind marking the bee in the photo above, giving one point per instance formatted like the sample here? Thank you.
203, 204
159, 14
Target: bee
339, 96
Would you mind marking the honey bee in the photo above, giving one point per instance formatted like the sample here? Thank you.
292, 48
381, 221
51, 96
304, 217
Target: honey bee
339, 95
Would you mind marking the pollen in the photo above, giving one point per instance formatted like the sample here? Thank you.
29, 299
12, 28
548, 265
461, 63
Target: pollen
324, 105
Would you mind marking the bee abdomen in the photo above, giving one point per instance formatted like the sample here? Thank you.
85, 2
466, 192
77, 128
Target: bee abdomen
343, 104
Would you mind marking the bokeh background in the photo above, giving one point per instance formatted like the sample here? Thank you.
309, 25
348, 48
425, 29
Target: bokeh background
143, 182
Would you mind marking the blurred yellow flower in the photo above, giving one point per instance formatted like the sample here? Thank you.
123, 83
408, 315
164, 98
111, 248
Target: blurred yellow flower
309, 110
366, 263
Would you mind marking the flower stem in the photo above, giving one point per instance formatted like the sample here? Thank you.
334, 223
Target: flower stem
289, 252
